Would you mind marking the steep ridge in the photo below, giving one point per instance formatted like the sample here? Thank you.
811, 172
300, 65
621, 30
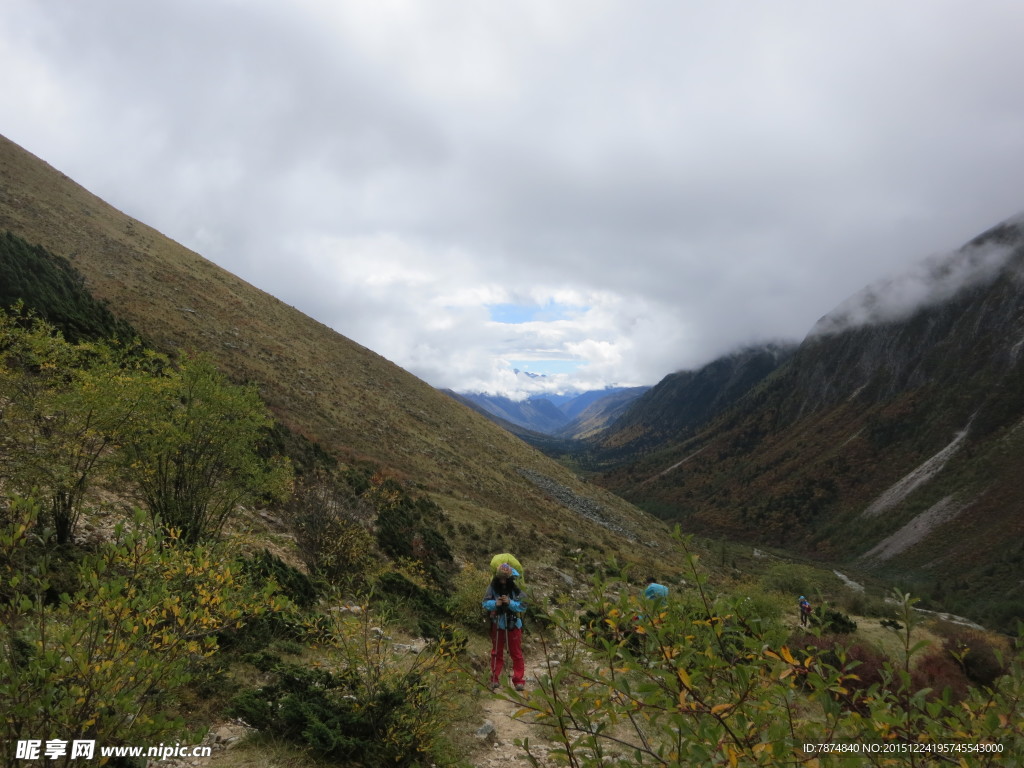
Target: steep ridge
683, 402
321, 385
891, 439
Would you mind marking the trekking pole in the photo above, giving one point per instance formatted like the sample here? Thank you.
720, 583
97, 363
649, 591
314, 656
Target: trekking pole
507, 650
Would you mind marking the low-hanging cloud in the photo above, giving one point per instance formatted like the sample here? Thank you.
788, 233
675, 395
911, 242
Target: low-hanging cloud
930, 282
690, 177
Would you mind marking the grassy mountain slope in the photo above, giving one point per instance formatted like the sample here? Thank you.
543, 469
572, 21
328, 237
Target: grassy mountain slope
895, 447
352, 402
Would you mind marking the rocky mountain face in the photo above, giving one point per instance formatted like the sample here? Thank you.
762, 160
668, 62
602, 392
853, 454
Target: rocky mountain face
891, 440
322, 387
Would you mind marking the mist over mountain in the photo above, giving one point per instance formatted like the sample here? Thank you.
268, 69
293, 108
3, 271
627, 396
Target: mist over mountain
934, 280
891, 440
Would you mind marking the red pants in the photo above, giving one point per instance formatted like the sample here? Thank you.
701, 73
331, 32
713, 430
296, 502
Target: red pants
513, 638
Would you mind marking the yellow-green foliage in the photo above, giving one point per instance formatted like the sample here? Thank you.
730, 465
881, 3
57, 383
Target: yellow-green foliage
193, 449
467, 597
106, 660
64, 406
331, 524
187, 441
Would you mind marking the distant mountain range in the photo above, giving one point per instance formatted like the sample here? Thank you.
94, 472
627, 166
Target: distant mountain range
564, 416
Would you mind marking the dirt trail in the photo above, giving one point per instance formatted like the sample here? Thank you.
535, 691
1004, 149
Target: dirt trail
500, 729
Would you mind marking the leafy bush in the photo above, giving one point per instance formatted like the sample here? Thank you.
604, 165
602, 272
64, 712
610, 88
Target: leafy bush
107, 661
980, 659
795, 579
425, 607
832, 621
864, 604
761, 607
64, 408
296, 594
410, 528
331, 527
193, 452
464, 605
50, 286
293, 584
371, 708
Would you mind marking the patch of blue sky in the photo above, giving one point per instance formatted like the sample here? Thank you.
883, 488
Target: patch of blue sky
547, 367
515, 314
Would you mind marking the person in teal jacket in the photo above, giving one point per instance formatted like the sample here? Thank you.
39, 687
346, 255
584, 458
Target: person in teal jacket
655, 591
504, 604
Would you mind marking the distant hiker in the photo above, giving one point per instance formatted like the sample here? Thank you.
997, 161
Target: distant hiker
805, 610
655, 592
503, 602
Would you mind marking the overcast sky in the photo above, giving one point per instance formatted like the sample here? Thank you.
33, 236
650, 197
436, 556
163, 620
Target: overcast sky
605, 191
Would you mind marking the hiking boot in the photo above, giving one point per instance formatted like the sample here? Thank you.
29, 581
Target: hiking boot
520, 687
495, 685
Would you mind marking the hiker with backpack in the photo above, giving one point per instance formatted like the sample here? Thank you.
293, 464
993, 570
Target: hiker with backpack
805, 610
503, 602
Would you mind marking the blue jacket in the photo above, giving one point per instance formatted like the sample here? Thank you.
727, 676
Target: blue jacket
656, 591
515, 607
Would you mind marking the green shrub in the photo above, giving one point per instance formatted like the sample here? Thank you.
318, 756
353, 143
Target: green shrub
864, 604
464, 604
193, 450
331, 524
423, 610
292, 583
372, 707
410, 528
832, 621
50, 286
108, 660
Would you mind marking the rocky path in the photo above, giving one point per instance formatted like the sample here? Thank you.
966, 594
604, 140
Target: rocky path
500, 729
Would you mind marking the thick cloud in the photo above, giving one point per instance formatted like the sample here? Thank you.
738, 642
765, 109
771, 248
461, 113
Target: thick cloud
676, 179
